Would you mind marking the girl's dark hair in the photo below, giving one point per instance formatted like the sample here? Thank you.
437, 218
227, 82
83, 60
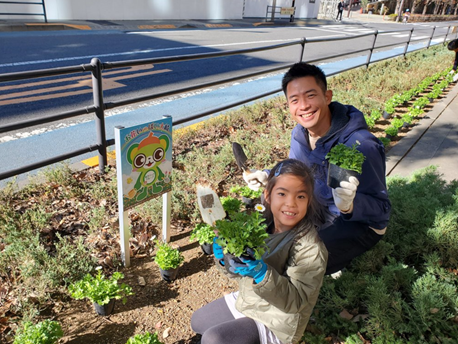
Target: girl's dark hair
302, 69
315, 211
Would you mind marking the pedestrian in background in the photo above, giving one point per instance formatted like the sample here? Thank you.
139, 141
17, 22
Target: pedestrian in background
340, 8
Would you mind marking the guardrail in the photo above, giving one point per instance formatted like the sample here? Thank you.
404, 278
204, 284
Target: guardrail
41, 3
95, 67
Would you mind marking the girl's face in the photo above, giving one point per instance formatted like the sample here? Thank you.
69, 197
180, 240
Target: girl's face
288, 202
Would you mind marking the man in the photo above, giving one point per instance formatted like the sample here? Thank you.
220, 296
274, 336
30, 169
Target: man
340, 8
359, 209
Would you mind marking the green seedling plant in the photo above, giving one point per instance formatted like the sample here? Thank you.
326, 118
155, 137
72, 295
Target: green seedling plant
100, 289
45, 332
421, 102
376, 114
244, 230
146, 338
407, 118
370, 121
348, 158
416, 112
231, 205
203, 232
245, 191
167, 257
385, 141
397, 123
389, 107
391, 131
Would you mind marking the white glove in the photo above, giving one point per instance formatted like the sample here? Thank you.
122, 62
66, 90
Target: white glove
255, 179
455, 77
345, 194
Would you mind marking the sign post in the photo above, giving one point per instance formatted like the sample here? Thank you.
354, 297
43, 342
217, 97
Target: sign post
144, 172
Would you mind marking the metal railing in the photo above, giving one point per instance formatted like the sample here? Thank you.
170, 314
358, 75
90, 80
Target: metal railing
95, 67
41, 3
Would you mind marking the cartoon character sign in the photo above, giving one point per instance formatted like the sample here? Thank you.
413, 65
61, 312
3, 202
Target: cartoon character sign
145, 158
145, 161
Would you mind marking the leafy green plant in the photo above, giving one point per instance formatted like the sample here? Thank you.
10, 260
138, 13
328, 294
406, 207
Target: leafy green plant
392, 131
376, 114
168, 257
244, 230
421, 102
245, 191
99, 289
146, 338
385, 140
397, 123
389, 107
416, 112
45, 332
348, 158
370, 121
407, 118
203, 232
231, 205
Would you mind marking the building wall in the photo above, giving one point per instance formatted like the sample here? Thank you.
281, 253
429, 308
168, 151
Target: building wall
155, 9
258, 8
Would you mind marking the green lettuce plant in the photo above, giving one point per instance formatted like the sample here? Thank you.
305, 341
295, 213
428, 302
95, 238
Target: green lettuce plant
203, 232
99, 289
45, 332
391, 130
244, 230
168, 257
231, 205
146, 338
245, 191
397, 123
348, 158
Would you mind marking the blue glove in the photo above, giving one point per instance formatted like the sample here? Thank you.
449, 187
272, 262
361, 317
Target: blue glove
252, 268
218, 251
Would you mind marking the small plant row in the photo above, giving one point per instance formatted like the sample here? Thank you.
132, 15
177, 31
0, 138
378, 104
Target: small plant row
49, 332
413, 111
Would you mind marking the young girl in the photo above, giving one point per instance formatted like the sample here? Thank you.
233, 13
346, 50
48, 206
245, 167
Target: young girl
277, 293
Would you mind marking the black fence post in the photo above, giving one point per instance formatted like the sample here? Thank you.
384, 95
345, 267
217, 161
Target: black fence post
303, 41
431, 38
44, 10
97, 91
368, 62
408, 42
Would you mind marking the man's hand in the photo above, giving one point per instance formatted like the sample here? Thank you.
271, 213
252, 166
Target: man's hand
249, 267
255, 179
345, 194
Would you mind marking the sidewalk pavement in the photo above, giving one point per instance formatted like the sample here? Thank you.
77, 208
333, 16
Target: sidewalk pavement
433, 141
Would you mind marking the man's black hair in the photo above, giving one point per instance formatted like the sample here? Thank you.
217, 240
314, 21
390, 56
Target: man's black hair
302, 69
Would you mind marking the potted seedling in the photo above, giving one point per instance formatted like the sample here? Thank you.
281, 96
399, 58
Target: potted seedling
204, 233
146, 338
231, 205
389, 109
169, 260
249, 197
391, 132
101, 291
407, 120
45, 332
243, 235
344, 162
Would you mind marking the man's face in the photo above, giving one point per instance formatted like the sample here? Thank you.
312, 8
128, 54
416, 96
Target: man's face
309, 105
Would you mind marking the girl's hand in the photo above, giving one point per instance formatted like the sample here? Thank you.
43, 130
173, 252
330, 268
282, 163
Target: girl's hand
251, 268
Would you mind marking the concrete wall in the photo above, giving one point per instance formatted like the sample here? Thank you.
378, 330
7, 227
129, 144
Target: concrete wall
155, 9
130, 9
258, 8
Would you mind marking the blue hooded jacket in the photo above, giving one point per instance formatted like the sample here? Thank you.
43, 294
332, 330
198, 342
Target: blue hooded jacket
371, 204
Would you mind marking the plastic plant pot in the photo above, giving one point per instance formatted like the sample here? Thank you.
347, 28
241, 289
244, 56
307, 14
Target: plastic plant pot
105, 310
207, 248
337, 174
169, 275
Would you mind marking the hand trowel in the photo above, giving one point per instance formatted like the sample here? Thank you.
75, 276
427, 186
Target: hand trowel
210, 206
241, 158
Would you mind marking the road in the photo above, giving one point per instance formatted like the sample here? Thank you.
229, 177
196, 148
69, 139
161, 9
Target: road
27, 51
